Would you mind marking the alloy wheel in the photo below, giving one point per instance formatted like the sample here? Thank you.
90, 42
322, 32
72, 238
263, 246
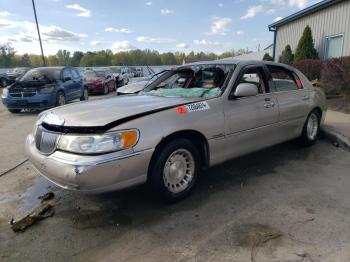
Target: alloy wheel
178, 170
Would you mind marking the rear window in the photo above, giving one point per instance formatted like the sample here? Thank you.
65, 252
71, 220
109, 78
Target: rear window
283, 79
42, 74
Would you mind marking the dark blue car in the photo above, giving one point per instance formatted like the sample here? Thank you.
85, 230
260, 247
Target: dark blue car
45, 87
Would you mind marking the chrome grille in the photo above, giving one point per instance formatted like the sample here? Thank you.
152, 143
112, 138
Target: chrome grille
45, 141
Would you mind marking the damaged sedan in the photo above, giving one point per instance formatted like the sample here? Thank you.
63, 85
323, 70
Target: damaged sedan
192, 117
43, 88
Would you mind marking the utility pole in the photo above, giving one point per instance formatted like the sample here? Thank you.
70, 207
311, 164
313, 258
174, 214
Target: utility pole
37, 27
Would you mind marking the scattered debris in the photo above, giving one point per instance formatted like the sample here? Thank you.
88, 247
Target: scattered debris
41, 212
256, 235
292, 228
305, 256
47, 196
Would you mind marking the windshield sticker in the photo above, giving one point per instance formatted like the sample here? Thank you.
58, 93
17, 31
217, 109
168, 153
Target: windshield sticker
199, 106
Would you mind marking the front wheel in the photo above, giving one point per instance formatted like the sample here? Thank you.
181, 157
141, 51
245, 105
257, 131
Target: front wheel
15, 111
3, 82
174, 170
105, 89
311, 129
60, 99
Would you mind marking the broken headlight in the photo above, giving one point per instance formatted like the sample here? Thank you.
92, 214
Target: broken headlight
98, 144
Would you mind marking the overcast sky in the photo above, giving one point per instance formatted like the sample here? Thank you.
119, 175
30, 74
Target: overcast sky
177, 25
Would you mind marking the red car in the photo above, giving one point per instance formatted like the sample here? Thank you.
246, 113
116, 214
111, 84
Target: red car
100, 81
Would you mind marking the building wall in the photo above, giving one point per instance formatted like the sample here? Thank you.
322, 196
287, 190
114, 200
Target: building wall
330, 21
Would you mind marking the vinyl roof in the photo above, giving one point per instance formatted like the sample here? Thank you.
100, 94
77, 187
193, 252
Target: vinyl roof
304, 12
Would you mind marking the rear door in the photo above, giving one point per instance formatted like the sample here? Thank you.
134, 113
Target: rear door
78, 83
250, 121
292, 98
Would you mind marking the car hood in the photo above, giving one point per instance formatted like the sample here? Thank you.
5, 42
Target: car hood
99, 113
93, 79
32, 84
132, 88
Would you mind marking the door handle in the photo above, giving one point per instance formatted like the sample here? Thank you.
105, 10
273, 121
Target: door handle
305, 97
269, 104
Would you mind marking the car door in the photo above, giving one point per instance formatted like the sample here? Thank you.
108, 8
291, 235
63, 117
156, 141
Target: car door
292, 98
78, 83
68, 83
250, 120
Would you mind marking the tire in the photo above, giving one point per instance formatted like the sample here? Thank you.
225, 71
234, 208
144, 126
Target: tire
15, 111
3, 82
174, 169
105, 89
85, 95
311, 129
60, 99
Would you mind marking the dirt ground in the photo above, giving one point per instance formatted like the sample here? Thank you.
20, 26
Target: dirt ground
285, 203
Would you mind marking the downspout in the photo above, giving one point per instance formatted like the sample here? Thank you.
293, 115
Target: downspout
274, 30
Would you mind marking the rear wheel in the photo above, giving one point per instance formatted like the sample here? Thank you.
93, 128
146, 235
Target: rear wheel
174, 170
60, 99
311, 129
15, 111
85, 95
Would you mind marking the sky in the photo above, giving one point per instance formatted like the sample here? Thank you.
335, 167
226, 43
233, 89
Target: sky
163, 25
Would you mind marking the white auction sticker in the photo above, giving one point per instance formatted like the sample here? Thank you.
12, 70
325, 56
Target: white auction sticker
199, 106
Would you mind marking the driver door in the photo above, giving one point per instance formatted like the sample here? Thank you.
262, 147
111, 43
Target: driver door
250, 121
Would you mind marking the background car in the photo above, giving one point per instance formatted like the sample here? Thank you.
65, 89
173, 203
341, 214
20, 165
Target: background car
99, 81
138, 84
121, 75
44, 87
11, 76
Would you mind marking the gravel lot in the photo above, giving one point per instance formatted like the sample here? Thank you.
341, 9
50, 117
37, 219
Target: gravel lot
285, 203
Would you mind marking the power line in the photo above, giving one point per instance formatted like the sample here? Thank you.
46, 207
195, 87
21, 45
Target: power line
37, 27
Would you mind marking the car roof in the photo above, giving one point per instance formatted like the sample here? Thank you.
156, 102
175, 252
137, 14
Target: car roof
235, 61
51, 67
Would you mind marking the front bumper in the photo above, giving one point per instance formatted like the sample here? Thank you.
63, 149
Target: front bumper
38, 101
95, 174
95, 88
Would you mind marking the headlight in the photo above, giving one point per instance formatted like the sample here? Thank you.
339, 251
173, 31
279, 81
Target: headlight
47, 89
97, 144
5, 92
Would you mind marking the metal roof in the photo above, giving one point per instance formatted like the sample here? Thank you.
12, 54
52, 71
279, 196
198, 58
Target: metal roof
304, 12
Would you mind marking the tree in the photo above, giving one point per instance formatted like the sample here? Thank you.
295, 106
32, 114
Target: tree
287, 56
76, 58
267, 57
7, 55
306, 48
24, 61
63, 57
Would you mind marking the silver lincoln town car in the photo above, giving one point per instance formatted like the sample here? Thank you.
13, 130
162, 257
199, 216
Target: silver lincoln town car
192, 117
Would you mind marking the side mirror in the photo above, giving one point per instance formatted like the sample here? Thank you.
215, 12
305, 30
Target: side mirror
67, 78
246, 89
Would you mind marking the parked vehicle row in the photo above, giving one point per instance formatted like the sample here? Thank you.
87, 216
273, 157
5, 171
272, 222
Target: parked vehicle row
43, 88
192, 117
100, 81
